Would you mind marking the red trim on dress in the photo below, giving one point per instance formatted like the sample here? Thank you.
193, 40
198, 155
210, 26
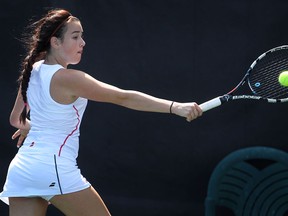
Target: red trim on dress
69, 135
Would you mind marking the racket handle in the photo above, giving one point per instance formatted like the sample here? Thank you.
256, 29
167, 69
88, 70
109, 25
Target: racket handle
210, 104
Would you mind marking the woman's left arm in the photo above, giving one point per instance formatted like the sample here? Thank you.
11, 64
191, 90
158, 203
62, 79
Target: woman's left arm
16, 112
23, 129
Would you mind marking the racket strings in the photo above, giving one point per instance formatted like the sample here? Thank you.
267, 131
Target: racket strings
269, 80
263, 77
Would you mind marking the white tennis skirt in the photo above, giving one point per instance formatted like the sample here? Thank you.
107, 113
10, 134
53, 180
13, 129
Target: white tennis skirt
42, 175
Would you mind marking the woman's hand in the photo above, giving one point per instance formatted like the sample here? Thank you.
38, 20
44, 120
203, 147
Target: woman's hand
190, 111
22, 135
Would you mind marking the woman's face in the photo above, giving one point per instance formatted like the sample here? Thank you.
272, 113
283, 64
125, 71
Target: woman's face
71, 46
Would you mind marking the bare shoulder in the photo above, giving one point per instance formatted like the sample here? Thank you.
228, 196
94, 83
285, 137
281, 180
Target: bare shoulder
68, 75
80, 84
61, 85
72, 78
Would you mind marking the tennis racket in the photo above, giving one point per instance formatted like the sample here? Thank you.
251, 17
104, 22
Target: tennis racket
262, 79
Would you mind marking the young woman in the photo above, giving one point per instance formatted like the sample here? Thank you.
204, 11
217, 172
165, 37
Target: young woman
45, 169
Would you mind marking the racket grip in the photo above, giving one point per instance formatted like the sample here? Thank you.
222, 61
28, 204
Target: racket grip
210, 104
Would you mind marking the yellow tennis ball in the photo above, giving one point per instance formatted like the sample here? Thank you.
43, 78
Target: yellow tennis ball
283, 78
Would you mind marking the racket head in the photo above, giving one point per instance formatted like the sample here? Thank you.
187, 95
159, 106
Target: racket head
262, 76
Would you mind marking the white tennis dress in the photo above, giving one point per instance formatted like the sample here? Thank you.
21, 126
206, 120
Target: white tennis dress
46, 163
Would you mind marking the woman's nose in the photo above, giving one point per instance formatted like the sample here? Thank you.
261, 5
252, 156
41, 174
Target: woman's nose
82, 44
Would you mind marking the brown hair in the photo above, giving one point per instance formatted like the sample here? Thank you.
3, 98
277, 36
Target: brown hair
38, 44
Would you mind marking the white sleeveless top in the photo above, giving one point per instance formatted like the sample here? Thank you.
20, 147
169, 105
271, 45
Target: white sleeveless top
46, 163
54, 126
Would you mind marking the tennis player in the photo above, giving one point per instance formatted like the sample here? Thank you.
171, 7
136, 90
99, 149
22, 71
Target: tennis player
45, 169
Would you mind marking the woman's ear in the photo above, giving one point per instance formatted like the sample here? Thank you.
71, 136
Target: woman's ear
54, 42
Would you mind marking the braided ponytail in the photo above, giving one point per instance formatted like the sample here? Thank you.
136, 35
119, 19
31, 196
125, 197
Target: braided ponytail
24, 80
38, 44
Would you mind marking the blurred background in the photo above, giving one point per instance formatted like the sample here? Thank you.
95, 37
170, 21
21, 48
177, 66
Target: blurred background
150, 164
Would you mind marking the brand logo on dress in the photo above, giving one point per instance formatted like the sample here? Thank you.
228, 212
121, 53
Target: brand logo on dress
52, 184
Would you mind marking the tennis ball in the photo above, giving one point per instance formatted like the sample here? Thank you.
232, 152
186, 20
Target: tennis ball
283, 78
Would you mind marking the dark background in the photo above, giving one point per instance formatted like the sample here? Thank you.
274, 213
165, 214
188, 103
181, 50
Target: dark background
150, 164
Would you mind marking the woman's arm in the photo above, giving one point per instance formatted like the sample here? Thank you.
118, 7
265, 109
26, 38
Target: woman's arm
23, 129
15, 114
78, 84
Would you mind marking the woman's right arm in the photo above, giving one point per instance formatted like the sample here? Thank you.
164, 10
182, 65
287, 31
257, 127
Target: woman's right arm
79, 84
